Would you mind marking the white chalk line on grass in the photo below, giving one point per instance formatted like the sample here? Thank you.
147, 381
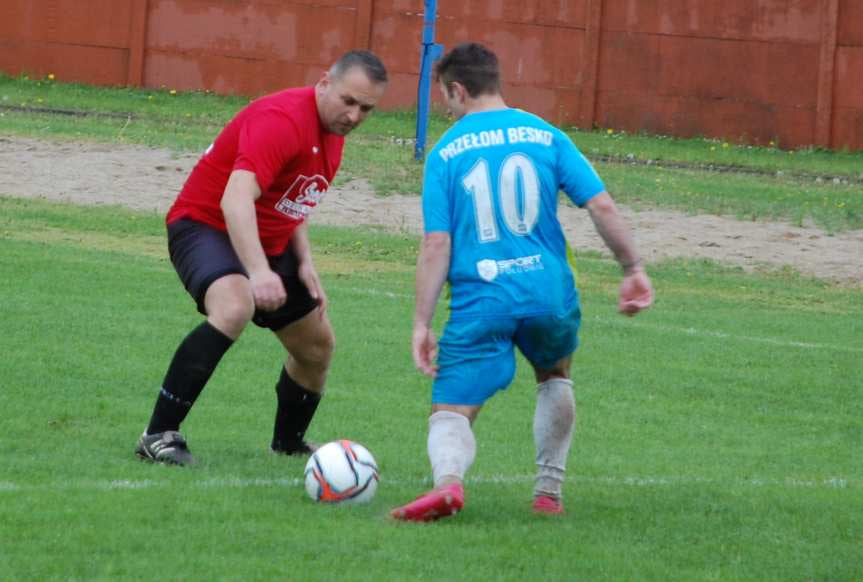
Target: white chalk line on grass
723, 335
247, 483
691, 331
379, 293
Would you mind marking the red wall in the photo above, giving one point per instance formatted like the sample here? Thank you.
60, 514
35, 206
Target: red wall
747, 70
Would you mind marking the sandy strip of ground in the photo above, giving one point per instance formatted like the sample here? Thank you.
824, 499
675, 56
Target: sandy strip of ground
149, 179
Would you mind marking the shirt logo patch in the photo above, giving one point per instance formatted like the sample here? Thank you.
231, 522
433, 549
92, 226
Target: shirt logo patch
487, 269
303, 195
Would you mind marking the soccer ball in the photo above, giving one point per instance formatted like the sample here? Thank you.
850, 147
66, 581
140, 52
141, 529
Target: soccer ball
342, 472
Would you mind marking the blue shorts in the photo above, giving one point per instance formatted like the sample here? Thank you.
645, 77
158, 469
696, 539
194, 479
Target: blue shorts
476, 357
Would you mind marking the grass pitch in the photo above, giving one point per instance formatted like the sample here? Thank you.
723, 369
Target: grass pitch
718, 434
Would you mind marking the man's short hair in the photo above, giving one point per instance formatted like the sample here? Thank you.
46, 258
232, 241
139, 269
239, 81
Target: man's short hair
370, 64
473, 66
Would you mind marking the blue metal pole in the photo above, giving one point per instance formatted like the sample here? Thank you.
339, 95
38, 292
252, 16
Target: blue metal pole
431, 52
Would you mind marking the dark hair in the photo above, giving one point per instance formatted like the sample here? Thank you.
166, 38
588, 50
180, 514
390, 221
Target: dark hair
473, 66
370, 64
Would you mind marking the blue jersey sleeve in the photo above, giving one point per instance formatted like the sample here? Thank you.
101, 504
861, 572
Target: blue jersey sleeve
577, 177
436, 203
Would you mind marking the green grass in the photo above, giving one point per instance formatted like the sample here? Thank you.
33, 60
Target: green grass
702, 152
718, 438
693, 176
833, 207
189, 106
204, 107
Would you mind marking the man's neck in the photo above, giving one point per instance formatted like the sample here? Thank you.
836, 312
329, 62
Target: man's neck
485, 103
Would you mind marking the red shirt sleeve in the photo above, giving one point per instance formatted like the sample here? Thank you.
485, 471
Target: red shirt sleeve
268, 141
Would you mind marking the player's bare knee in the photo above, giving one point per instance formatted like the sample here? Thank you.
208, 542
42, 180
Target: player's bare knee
468, 411
546, 375
318, 357
316, 354
324, 350
560, 370
232, 316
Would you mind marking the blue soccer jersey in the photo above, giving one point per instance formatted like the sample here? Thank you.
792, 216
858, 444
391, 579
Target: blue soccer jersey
492, 183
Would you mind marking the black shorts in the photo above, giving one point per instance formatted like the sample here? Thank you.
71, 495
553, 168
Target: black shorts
201, 254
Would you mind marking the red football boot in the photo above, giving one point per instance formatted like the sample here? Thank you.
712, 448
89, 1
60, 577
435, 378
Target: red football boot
437, 503
547, 505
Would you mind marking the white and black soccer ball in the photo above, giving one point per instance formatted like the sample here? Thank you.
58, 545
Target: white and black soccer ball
342, 472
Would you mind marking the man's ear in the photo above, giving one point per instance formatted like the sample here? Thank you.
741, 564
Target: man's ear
323, 82
459, 91
448, 88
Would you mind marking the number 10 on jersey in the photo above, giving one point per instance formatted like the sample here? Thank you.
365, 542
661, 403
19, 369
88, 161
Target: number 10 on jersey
477, 182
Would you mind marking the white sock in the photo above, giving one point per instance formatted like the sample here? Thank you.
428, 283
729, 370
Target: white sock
451, 445
553, 423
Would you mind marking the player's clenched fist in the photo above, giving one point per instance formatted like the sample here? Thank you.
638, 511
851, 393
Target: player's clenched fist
636, 293
267, 290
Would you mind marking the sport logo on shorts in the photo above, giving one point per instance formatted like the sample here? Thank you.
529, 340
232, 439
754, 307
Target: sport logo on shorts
303, 195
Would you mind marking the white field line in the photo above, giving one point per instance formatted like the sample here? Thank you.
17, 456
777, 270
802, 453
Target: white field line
722, 335
611, 481
690, 331
378, 293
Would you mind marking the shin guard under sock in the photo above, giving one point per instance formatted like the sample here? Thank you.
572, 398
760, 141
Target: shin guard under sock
296, 407
451, 445
194, 362
553, 423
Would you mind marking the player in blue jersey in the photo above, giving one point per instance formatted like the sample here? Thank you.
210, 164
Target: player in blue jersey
490, 195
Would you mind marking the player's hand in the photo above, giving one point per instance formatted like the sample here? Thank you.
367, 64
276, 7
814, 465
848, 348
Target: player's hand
424, 347
636, 292
309, 276
267, 290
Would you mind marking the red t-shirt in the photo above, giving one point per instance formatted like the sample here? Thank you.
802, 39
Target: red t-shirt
280, 138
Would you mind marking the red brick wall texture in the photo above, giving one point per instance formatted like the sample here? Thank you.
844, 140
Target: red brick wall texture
789, 71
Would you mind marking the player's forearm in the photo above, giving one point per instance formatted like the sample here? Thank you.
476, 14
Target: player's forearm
432, 270
614, 232
300, 244
238, 206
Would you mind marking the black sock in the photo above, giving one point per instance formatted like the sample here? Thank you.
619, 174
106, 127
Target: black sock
296, 407
193, 364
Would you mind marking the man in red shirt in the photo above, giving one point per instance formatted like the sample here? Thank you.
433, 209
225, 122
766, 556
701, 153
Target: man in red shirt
237, 236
